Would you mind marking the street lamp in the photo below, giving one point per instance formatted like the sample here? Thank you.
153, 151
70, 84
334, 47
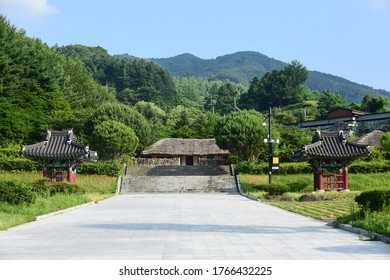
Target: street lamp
273, 162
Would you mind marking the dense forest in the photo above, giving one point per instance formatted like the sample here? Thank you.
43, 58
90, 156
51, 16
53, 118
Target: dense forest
99, 95
243, 66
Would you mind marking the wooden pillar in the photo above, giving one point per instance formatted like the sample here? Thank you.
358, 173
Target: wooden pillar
318, 180
71, 176
345, 178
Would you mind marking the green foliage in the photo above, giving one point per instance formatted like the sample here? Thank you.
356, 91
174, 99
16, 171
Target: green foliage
65, 188
14, 193
101, 167
369, 167
243, 66
273, 189
328, 101
126, 115
385, 142
113, 140
277, 88
133, 79
250, 167
31, 80
42, 188
241, 133
18, 164
375, 104
374, 200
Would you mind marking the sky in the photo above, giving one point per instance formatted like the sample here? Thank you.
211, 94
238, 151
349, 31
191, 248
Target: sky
346, 38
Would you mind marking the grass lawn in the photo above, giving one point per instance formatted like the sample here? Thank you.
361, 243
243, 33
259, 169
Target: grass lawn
97, 187
341, 206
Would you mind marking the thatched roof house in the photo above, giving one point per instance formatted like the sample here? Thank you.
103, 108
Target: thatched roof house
372, 139
186, 151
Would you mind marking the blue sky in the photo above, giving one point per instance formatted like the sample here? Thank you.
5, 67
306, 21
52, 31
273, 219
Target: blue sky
347, 38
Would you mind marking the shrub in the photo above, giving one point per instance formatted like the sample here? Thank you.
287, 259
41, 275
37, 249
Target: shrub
40, 187
13, 192
65, 188
273, 189
370, 167
374, 200
108, 168
250, 167
18, 164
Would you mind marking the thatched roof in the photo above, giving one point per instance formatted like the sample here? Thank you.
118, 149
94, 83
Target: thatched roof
373, 139
184, 147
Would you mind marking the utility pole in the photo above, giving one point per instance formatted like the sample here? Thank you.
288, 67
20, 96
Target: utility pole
270, 146
273, 162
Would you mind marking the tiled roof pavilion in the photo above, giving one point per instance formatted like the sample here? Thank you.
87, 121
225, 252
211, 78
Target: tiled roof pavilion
332, 151
331, 146
60, 145
59, 155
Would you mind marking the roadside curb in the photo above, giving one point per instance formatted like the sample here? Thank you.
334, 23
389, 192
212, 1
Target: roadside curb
38, 218
369, 234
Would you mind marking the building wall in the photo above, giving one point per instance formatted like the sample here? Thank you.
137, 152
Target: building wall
157, 161
198, 161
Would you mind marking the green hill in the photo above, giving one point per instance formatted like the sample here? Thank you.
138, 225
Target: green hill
243, 66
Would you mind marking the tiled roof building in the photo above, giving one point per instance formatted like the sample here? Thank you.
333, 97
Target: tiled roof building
331, 146
59, 151
329, 154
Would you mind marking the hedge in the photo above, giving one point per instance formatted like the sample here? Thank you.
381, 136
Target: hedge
374, 200
18, 164
273, 189
42, 188
109, 168
248, 167
13, 192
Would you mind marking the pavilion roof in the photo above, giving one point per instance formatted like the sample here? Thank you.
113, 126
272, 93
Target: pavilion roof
332, 146
58, 145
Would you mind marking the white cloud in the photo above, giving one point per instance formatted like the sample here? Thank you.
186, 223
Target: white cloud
32, 9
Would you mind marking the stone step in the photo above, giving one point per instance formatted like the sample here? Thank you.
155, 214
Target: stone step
178, 184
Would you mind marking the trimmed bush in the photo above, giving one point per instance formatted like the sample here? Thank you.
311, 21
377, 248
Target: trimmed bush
273, 189
18, 164
65, 188
109, 168
14, 193
374, 200
370, 167
248, 167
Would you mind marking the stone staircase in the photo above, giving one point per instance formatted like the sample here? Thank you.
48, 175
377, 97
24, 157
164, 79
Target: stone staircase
178, 179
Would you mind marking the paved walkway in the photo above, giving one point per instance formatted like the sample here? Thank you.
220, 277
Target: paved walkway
183, 226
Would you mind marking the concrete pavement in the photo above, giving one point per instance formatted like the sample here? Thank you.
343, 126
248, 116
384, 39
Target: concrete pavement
183, 226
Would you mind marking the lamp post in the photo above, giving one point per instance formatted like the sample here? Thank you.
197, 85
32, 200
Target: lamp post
270, 142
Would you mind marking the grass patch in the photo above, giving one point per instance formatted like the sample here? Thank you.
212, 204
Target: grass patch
340, 206
97, 187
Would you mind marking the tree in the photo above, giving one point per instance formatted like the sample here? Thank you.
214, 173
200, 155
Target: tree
242, 134
328, 101
126, 115
277, 88
385, 142
375, 104
225, 97
112, 140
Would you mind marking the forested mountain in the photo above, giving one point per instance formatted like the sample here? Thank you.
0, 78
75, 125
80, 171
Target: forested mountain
132, 79
243, 66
